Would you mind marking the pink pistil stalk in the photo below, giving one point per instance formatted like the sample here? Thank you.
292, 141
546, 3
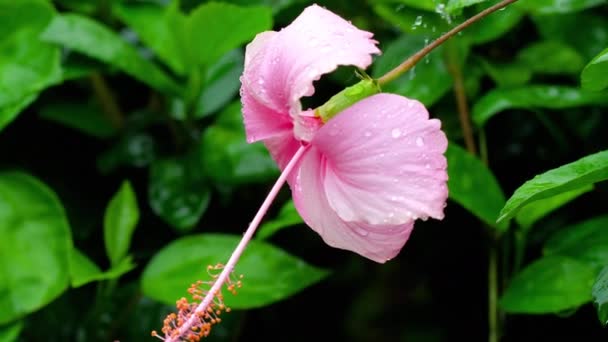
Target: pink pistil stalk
195, 317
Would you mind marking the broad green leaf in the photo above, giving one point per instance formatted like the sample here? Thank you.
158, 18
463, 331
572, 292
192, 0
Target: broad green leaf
413, 21
507, 75
569, 28
400, 5
228, 158
216, 28
457, 5
276, 5
288, 216
95, 40
467, 176
600, 296
27, 65
495, 26
534, 96
557, 6
84, 270
536, 210
427, 82
270, 274
595, 74
549, 285
177, 193
134, 148
121, 217
34, 248
588, 170
160, 28
11, 331
85, 117
586, 241
221, 83
9, 112
551, 57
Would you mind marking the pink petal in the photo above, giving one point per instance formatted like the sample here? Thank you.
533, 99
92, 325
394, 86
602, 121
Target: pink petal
376, 242
383, 162
280, 67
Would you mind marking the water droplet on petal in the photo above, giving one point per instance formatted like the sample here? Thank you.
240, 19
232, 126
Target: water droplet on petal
419, 142
396, 133
260, 81
367, 134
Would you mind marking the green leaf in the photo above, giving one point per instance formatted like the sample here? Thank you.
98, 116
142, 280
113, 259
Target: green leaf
534, 96
457, 5
536, 210
222, 27
228, 158
569, 28
496, 26
588, 170
34, 248
600, 296
93, 39
10, 332
160, 28
551, 57
413, 21
85, 117
270, 273
121, 217
549, 285
9, 112
586, 241
467, 175
595, 74
27, 65
507, 75
276, 5
557, 6
288, 217
426, 5
427, 82
135, 148
177, 193
221, 83
84, 271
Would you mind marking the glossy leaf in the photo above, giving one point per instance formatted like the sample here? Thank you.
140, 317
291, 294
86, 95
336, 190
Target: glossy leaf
496, 26
586, 241
87, 118
120, 220
595, 74
557, 6
551, 57
536, 210
533, 96
10, 332
426, 5
160, 28
93, 39
456, 5
34, 248
228, 158
549, 285
27, 65
223, 27
600, 296
288, 216
427, 82
221, 83
276, 5
270, 274
588, 170
177, 193
413, 21
467, 175
84, 270
507, 75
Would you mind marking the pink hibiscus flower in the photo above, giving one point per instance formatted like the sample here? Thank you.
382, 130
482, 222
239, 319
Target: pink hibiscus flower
369, 172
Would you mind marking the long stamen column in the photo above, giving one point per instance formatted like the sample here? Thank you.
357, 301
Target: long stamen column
191, 323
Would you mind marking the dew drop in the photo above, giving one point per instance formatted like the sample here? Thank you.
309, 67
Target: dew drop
260, 81
417, 22
367, 134
419, 142
396, 133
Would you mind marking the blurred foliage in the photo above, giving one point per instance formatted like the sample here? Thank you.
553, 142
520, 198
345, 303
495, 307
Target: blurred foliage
125, 172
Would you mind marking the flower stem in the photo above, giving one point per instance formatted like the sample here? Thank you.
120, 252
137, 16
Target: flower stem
410, 62
227, 270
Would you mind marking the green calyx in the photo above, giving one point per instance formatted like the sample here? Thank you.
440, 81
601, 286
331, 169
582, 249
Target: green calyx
347, 98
